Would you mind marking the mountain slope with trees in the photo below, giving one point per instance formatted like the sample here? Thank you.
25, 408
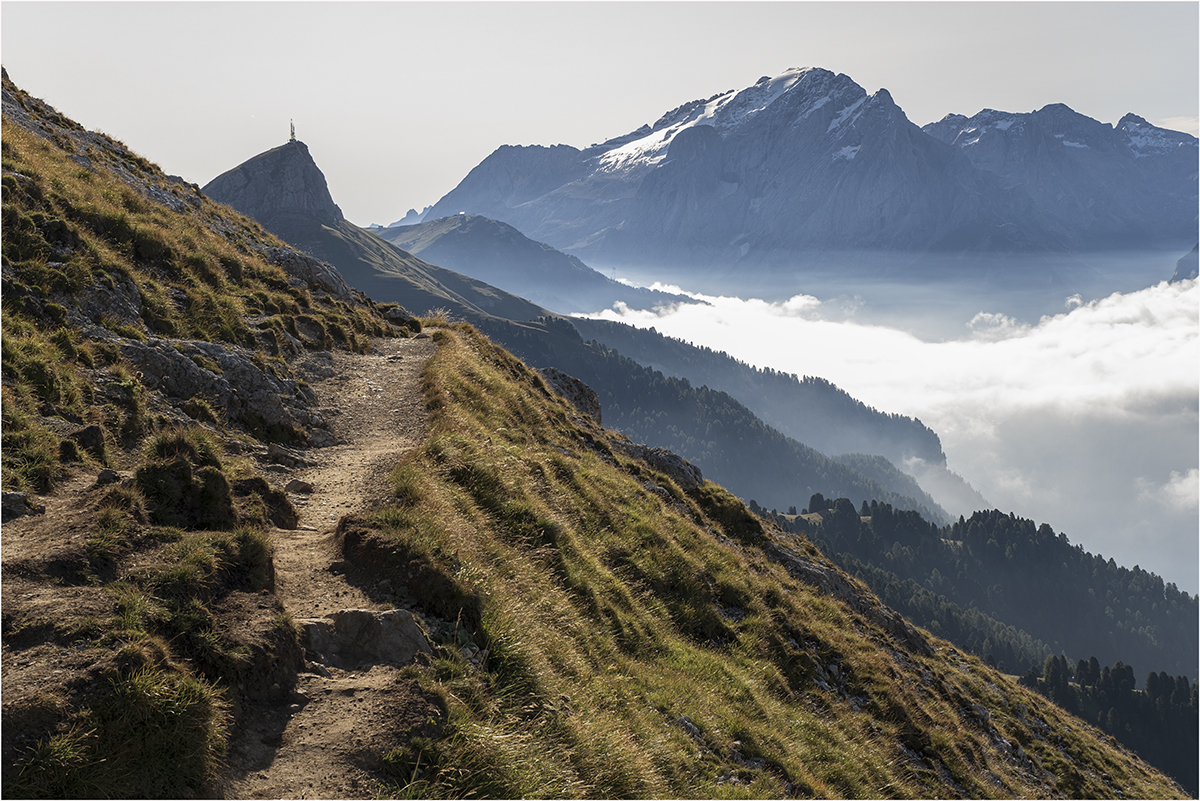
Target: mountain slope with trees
720, 434
604, 628
1024, 599
1024, 574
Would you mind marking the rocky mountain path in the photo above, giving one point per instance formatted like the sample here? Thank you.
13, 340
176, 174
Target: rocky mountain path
326, 739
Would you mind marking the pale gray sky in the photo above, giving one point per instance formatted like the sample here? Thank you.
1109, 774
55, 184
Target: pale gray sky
398, 101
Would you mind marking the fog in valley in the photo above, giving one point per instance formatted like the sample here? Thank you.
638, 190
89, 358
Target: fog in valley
1073, 402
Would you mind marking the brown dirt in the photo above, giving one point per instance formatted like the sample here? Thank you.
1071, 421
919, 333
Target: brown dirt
327, 739
324, 737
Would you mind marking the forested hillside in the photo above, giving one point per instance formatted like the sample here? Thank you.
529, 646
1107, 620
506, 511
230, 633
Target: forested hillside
1027, 601
1018, 572
1160, 722
806, 408
708, 427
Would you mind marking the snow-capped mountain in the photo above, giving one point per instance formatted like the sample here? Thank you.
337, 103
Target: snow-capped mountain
803, 162
1128, 185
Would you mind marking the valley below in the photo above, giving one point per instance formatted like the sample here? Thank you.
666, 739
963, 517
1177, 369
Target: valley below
1076, 404
291, 511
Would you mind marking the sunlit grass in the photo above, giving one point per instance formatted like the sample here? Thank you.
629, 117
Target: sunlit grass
611, 615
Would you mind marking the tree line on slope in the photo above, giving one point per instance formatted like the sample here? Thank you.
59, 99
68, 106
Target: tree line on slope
832, 420
1159, 722
1012, 570
726, 440
1022, 597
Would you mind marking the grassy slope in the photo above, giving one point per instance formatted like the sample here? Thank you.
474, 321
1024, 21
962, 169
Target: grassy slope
139, 628
639, 641
614, 606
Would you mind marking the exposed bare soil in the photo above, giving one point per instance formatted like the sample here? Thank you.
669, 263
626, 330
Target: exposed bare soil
326, 739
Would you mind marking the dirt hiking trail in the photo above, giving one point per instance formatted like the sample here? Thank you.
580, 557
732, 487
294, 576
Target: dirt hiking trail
326, 739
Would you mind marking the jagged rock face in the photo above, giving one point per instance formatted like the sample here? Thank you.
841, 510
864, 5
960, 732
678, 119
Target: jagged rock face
283, 189
1129, 185
803, 161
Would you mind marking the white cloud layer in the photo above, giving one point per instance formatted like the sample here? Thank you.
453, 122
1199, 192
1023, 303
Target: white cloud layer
1086, 420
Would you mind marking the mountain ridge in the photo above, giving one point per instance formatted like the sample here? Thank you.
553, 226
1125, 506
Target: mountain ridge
703, 185
501, 256
593, 627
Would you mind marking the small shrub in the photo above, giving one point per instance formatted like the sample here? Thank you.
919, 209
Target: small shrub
154, 733
196, 445
199, 409
183, 482
206, 363
30, 451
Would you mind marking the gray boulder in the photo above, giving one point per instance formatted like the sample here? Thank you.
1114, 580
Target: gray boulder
577, 393
355, 637
312, 272
685, 474
16, 504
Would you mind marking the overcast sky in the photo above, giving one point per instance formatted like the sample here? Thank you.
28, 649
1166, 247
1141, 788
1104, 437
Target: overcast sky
398, 101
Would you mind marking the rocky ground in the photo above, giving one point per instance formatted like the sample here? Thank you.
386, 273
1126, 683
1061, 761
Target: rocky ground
325, 738
325, 741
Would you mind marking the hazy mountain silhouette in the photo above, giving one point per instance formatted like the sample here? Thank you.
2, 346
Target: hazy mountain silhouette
806, 167
501, 255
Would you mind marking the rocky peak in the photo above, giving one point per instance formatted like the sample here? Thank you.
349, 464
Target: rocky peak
280, 183
1146, 139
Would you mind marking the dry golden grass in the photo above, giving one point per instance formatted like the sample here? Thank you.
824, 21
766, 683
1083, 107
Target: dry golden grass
612, 613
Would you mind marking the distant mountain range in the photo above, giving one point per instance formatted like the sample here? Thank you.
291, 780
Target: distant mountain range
1132, 184
501, 255
711, 427
806, 164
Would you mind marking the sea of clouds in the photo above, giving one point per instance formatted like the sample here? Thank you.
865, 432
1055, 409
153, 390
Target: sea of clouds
1086, 419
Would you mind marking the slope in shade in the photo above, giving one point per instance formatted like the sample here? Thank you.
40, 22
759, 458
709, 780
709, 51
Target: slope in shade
500, 255
802, 163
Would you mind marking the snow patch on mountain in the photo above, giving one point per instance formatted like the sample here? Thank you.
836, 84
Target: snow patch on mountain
1145, 139
725, 112
845, 114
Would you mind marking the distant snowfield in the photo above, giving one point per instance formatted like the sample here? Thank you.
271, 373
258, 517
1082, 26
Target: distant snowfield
1087, 420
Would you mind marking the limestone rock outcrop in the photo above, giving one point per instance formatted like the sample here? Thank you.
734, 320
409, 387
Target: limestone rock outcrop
579, 394
678, 469
355, 637
185, 369
283, 189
